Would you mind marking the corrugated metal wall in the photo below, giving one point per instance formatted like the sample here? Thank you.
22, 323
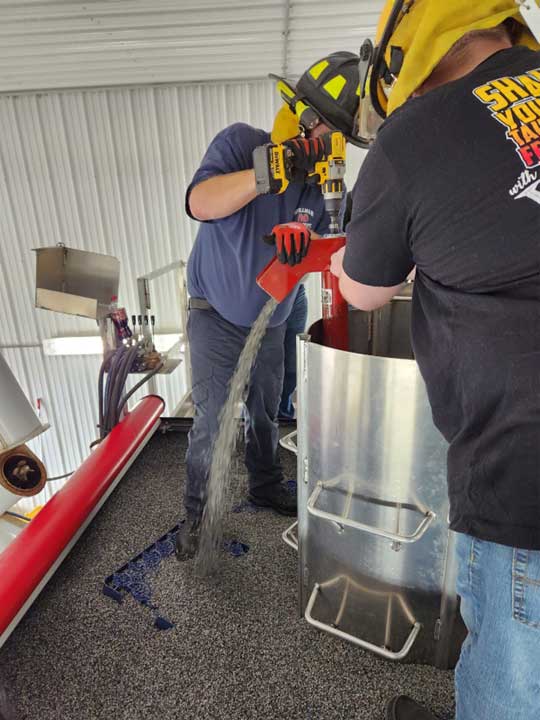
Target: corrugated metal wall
317, 27
106, 170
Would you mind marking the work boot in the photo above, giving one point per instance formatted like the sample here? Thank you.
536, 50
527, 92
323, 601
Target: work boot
187, 538
278, 497
285, 421
402, 707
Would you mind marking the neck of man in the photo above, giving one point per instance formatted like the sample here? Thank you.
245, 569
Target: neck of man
456, 65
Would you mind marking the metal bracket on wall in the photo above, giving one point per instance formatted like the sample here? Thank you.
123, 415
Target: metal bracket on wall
184, 408
143, 292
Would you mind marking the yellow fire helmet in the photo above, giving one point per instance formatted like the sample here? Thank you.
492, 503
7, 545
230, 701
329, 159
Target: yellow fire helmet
414, 35
286, 125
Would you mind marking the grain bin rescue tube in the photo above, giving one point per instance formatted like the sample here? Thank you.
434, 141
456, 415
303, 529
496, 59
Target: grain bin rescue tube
21, 473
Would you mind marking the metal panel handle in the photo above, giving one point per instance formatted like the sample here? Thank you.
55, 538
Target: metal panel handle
289, 442
290, 537
420, 531
382, 651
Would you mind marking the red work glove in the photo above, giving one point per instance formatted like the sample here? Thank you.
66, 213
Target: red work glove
303, 154
292, 242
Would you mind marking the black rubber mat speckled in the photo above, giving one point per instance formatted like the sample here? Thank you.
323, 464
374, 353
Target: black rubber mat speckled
238, 649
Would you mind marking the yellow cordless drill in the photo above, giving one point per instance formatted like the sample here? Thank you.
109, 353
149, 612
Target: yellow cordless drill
272, 165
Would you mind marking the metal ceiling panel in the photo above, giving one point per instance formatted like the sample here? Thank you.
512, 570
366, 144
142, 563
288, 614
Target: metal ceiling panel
46, 44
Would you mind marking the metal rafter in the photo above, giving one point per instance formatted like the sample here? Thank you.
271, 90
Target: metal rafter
286, 31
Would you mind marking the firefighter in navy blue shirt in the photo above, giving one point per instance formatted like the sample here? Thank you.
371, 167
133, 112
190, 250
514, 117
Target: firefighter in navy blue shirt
228, 254
450, 185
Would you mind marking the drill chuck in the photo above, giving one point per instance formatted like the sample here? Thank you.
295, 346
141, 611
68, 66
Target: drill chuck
333, 214
332, 188
332, 191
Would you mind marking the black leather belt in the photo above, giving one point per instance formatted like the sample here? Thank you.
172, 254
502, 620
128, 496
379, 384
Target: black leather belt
199, 304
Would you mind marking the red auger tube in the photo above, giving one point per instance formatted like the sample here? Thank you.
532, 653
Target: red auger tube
32, 557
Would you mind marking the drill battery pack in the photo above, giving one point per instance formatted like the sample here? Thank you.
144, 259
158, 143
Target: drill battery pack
270, 171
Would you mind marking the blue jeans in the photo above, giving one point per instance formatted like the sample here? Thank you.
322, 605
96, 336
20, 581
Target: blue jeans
498, 674
296, 324
215, 346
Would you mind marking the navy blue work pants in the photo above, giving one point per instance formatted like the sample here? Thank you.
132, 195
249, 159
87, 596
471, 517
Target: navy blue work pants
296, 324
215, 346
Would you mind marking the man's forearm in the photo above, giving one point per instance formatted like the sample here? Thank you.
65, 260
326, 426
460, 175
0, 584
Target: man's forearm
222, 195
364, 297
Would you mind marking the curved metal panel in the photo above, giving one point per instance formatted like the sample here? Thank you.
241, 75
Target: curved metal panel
373, 501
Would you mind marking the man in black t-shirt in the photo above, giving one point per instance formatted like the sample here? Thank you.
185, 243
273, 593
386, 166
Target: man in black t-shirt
451, 186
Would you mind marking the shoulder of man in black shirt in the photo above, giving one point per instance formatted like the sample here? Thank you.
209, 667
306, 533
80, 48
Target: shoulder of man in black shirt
443, 171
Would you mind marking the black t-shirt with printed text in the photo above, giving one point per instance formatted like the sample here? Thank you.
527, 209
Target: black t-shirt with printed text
452, 185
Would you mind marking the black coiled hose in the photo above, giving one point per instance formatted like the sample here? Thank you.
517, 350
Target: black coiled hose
112, 398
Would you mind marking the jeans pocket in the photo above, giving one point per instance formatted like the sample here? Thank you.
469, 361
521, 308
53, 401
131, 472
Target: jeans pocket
526, 587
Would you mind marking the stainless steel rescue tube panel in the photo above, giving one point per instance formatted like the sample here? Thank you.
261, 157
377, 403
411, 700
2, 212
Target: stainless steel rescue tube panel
376, 563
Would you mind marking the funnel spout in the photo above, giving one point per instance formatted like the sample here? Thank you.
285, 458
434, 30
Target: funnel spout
278, 280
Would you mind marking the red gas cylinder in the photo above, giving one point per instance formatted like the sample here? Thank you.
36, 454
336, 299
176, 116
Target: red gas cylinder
335, 313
